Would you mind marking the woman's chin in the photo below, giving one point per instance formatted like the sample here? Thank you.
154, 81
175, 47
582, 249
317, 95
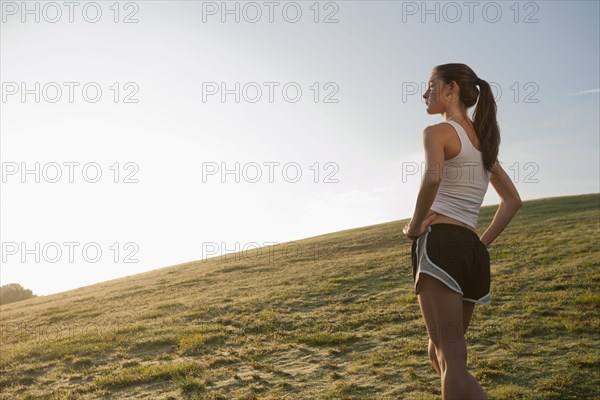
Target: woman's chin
430, 110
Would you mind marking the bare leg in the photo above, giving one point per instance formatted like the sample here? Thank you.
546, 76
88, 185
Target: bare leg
476, 388
442, 310
468, 307
433, 357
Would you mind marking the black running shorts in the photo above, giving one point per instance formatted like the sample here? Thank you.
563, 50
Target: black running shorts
454, 255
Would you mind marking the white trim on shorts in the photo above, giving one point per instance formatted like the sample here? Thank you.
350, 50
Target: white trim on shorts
484, 300
428, 267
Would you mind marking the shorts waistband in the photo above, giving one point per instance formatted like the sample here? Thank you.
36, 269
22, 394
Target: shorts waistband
447, 226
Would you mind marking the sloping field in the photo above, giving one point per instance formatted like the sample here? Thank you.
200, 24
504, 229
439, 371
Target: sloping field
328, 317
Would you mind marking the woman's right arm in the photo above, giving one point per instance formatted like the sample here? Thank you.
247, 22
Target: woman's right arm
510, 202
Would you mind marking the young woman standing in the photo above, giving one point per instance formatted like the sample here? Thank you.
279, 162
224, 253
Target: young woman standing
451, 264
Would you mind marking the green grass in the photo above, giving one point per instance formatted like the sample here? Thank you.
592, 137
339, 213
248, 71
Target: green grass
333, 317
198, 342
147, 373
320, 339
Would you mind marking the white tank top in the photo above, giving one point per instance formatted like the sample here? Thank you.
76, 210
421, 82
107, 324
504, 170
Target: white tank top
464, 182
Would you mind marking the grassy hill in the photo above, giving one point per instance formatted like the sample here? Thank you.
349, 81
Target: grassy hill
328, 317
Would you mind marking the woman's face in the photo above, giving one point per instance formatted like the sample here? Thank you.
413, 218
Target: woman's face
434, 98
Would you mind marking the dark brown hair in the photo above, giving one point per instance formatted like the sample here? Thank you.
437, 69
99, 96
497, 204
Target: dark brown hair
484, 116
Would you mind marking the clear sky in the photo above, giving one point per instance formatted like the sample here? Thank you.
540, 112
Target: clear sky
349, 121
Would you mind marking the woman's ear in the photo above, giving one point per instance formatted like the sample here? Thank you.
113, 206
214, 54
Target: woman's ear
450, 87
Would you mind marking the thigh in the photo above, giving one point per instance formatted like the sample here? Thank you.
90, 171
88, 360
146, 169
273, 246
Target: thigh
442, 309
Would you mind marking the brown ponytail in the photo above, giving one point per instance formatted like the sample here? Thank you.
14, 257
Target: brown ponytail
484, 116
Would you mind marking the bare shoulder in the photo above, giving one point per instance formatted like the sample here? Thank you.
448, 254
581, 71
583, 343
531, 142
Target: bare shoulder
440, 128
437, 133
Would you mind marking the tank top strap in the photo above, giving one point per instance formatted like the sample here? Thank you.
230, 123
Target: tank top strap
465, 142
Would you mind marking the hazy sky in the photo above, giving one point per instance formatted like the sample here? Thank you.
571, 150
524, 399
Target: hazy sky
141, 103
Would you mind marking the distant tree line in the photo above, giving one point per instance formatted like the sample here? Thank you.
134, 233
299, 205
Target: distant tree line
14, 292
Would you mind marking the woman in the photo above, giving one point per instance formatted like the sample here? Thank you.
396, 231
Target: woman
451, 264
